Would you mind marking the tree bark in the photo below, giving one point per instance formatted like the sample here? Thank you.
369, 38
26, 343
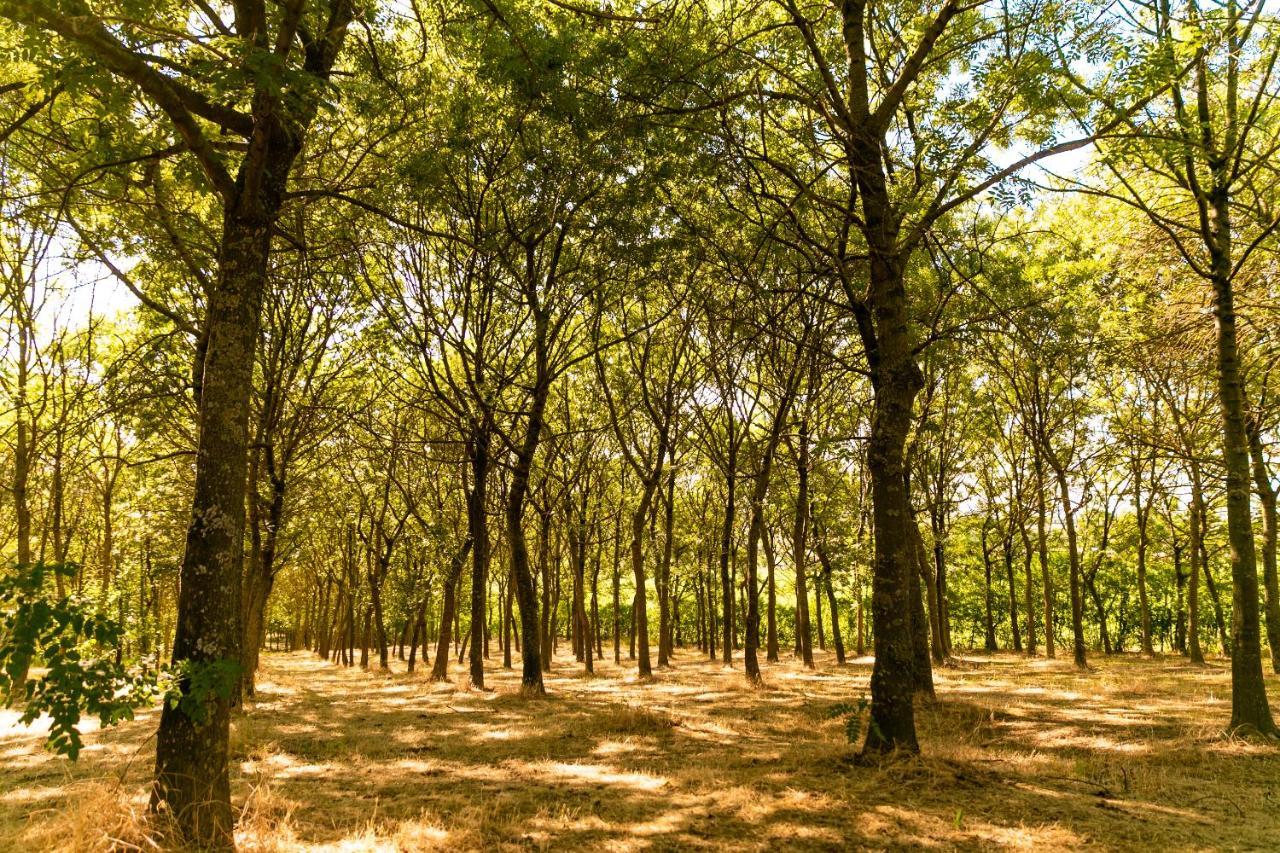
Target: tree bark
1270, 583
1007, 551
448, 605
726, 547
191, 755
664, 570
478, 533
1073, 556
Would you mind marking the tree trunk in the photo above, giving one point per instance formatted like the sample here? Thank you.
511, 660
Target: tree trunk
726, 547
1180, 585
938, 528
191, 756
828, 584
1193, 588
1027, 557
448, 605
922, 665
1073, 556
664, 572
771, 622
896, 380
1250, 710
478, 533
1042, 540
1143, 513
988, 624
617, 585
640, 609
804, 636
1270, 583
1007, 548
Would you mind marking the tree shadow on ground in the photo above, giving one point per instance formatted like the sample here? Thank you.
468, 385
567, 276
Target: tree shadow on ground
1017, 753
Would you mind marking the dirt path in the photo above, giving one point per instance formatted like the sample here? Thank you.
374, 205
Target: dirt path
1018, 754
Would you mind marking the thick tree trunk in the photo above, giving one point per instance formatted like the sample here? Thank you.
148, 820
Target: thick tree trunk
896, 380
191, 755
1250, 710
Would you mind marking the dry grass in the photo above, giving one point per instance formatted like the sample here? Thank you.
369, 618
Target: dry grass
1018, 754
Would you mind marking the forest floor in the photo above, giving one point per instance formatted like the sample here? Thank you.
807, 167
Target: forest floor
1016, 753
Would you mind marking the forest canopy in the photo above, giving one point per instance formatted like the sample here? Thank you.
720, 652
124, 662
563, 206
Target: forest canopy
873, 343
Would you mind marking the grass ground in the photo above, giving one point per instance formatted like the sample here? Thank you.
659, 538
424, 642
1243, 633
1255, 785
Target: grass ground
1017, 754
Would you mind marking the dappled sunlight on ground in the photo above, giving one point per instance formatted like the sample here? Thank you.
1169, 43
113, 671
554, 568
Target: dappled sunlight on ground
1017, 754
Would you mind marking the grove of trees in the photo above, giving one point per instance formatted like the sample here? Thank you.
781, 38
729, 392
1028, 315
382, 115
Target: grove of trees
476, 333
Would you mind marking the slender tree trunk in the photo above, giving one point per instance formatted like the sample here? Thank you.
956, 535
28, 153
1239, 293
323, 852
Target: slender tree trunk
478, 532
800, 554
507, 619
1073, 556
828, 584
640, 608
923, 666
1007, 549
617, 585
1143, 514
938, 528
1180, 585
1193, 588
1042, 540
1215, 600
417, 620
1270, 583
771, 628
989, 625
726, 548
664, 571
22, 452
1027, 557
448, 604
